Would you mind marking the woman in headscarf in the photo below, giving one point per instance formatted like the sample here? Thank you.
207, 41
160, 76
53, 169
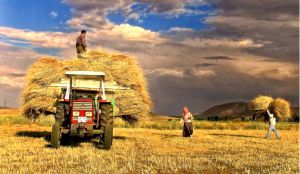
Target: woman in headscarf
187, 119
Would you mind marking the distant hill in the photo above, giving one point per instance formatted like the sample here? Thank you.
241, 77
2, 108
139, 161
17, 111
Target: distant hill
159, 117
4, 107
234, 110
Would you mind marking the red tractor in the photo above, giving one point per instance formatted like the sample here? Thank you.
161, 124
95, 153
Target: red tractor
83, 109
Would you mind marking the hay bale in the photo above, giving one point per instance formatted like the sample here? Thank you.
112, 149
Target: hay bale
281, 109
260, 103
38, 97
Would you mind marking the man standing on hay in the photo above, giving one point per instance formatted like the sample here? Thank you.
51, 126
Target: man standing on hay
272, 125
187, 125
81, 44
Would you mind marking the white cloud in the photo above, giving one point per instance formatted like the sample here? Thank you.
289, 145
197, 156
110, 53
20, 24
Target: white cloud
10, 51
40, 39
204, 73
180, 72
180, 29
53, 14
265, 68
165, 72
221, 42
12, 82
7, 79
133, 33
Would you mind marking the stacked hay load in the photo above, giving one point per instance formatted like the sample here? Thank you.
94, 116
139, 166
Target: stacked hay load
133, 104
280, 107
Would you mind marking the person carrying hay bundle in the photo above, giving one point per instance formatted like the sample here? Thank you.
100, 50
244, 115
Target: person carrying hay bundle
81, 44
187, 125
259, 105
272, 125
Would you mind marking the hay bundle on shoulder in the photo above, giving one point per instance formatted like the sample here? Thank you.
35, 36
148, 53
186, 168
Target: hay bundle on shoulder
260, 103
133, 104
281, 109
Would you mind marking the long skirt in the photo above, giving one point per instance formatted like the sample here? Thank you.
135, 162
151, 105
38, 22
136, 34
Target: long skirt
187, 129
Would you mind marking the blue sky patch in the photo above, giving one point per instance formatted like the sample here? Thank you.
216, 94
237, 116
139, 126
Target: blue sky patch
162, 22
49, 51
37, 15
14, 41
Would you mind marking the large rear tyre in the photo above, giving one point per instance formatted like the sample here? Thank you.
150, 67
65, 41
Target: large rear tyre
60, 112
106, 121
56, 135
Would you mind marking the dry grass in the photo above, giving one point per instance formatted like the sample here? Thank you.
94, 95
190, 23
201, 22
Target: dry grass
26, 149
10, 112
120, 70
281, 108
260, 102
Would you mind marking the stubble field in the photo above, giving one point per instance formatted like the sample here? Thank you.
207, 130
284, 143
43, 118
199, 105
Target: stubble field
25, 148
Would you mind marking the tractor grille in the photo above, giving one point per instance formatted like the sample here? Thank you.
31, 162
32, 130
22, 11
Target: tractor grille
86, 106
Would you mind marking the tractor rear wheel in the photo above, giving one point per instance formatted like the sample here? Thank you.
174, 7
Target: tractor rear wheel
56, 135
60, 112
106, 121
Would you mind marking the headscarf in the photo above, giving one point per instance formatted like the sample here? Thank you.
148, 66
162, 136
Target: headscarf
185, 110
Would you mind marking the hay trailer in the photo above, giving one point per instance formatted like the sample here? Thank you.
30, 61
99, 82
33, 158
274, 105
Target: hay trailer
83, 109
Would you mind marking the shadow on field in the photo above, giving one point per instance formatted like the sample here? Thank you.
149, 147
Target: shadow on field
73, 141
166, 136
120, 138
35, 134
233, 135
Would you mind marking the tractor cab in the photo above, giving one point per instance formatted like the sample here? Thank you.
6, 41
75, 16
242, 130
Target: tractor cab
83, 109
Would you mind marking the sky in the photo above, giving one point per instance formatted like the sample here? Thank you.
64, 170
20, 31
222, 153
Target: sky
195, 53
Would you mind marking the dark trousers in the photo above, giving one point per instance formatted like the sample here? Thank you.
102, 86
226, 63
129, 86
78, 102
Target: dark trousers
187, 129
80, 49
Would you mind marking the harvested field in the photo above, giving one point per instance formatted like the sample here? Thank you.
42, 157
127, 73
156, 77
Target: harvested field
26, 149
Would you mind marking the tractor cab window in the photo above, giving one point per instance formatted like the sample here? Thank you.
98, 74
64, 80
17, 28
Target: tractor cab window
82, 94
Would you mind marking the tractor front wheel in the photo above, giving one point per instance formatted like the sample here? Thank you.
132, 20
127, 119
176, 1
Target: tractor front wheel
56, 135
106, 121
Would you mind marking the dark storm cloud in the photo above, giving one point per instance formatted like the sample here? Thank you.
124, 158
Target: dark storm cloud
16, 75
257, 8
10, 95
219, 58
204, 65
271, 23
199, 93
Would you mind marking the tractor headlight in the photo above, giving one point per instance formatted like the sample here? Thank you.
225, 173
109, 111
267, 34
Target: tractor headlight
88, 114
76, 113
